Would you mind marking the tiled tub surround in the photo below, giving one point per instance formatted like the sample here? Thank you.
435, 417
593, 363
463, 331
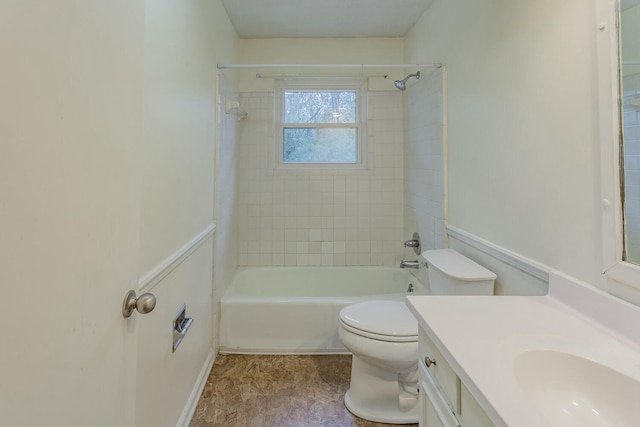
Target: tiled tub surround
327, 217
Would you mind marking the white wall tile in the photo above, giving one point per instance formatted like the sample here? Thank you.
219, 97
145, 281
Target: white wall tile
315, 259
315, 235
329, 218
315, 247
278, 260
327, 259
290, 247
339, 259
242, 259
290, 260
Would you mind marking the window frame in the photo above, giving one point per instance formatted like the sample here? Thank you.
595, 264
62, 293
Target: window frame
621, 278
328, 84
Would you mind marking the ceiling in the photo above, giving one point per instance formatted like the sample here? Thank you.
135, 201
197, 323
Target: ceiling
324, 18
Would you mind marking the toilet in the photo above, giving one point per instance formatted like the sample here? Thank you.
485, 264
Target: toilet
383, 339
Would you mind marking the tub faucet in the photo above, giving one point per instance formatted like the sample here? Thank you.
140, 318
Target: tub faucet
409, 264
414, 243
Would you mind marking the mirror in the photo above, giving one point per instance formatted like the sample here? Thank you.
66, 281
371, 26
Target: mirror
630, 87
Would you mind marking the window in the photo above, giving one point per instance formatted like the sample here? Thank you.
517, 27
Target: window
320, 124
622, 278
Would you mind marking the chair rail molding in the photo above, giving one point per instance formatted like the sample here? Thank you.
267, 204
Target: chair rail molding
526, 265
149, 280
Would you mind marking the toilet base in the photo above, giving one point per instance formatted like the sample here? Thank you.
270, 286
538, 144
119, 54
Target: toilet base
376, 395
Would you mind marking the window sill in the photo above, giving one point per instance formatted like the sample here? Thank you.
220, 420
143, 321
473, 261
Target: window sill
322, 169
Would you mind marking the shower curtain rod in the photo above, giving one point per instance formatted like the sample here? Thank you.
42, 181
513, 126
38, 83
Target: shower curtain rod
311, 76
225, 66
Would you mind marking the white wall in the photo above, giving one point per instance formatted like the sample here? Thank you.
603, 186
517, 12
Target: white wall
70, 138
107, 134
177, 174
226, 193
320, 51
183, 43
424, 162
523, 167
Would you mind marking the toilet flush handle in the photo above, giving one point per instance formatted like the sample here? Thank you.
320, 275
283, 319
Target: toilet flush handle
429, 361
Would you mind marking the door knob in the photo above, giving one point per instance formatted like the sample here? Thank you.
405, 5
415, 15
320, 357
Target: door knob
145, 303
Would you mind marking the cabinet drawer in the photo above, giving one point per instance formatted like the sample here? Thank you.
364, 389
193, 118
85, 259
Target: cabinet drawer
437, 411
441, 371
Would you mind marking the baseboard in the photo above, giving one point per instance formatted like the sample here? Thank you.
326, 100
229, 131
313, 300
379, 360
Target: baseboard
285, 352
194, 397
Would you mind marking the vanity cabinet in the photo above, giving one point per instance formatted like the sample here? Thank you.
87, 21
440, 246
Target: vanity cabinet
444, 400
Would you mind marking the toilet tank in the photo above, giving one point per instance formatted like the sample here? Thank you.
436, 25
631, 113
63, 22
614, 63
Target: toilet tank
451, 273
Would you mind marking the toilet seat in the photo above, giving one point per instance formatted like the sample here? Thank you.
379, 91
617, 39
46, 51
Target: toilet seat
389, 321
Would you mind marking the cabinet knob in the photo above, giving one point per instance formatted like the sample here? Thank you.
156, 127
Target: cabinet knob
429, 361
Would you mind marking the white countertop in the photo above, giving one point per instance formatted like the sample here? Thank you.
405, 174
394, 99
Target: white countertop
480, 336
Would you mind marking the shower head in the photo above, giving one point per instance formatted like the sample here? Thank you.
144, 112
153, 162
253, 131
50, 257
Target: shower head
402, 84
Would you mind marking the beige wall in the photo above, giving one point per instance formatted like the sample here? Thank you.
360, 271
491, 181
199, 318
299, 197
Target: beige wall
523, 165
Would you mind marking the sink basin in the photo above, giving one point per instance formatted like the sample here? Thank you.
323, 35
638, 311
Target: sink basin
572, 391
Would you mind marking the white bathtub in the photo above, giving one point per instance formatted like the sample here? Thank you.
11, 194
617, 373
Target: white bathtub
294, 310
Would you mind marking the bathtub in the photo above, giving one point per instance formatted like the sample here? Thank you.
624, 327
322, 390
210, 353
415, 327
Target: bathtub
294, 310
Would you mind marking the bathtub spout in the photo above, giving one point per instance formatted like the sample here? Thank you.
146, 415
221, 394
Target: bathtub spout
409, 264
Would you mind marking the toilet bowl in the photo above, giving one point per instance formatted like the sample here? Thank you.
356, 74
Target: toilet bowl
383, 338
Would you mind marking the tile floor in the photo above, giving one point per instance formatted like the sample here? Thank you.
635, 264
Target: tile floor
282, 391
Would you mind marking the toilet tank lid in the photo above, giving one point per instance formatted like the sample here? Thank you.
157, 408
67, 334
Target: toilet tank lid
456, 265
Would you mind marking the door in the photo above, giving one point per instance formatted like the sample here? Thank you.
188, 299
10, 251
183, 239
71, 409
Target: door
70, 132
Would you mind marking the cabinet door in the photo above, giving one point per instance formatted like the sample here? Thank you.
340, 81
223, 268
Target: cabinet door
472, 414
446, 379
430, 417
436, 411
